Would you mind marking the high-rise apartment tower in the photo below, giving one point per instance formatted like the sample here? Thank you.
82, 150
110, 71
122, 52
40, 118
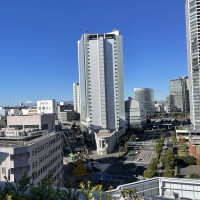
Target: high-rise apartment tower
193, 51
101, 80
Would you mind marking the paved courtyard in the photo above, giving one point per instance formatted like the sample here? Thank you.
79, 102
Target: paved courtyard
186, 171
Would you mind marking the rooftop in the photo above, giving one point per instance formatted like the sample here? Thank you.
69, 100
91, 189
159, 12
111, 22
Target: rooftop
24, 140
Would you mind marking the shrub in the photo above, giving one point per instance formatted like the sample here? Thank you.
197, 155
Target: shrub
194, 175
149, 174
190, 160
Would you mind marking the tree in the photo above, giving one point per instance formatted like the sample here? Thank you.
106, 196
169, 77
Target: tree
122, 149
79, 169
133, 137
24, 190
190, 160
168, 159
149, 174
158, 148
194, 175
181, 140
173, 136
162, 136
168, 172
130, 194
153, 164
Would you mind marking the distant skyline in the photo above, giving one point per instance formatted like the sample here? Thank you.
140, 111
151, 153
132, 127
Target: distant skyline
38, 45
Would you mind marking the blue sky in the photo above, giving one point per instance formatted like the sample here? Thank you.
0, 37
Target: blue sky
38, 44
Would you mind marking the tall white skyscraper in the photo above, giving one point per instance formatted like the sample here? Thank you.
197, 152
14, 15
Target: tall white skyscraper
101, 80
76, 94
192, 8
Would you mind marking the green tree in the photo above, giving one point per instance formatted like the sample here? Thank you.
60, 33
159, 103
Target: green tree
168, 172
158, 148
168, 159
194, 175
149, 174
162, 136
133, 137
87, 191
79, 169
130, 194
153, 164
190, 160
17, 192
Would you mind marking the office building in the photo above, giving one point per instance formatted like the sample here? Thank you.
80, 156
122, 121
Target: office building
101, 81
76, 96
46, 106
3, 111
66, 113
169, 103
102, 84
146, 96
43, 122
34, 151
179, 88
162, 188
193, 42
159, 107
135, 113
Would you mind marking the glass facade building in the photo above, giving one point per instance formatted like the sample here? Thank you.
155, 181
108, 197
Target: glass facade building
146, 96
101, 81
192, 8
179, 88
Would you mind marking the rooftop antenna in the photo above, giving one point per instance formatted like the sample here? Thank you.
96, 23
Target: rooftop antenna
40, 104
9, 102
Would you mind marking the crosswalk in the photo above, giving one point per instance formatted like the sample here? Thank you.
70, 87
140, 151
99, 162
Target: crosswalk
145, 156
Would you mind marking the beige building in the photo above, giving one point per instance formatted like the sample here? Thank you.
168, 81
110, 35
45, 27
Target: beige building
43, 122
106, 140
35, 151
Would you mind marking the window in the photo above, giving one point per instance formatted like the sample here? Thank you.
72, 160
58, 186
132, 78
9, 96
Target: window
192, 3
192, 10
3, 170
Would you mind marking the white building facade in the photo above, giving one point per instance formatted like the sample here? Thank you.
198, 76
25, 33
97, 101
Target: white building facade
101, 81
193, 43
39, 154
76, 97
146, 96
46, 106
135, 113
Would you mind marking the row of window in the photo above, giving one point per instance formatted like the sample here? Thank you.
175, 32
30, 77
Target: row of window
40, 171
44, 146
44, 108
45, 156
